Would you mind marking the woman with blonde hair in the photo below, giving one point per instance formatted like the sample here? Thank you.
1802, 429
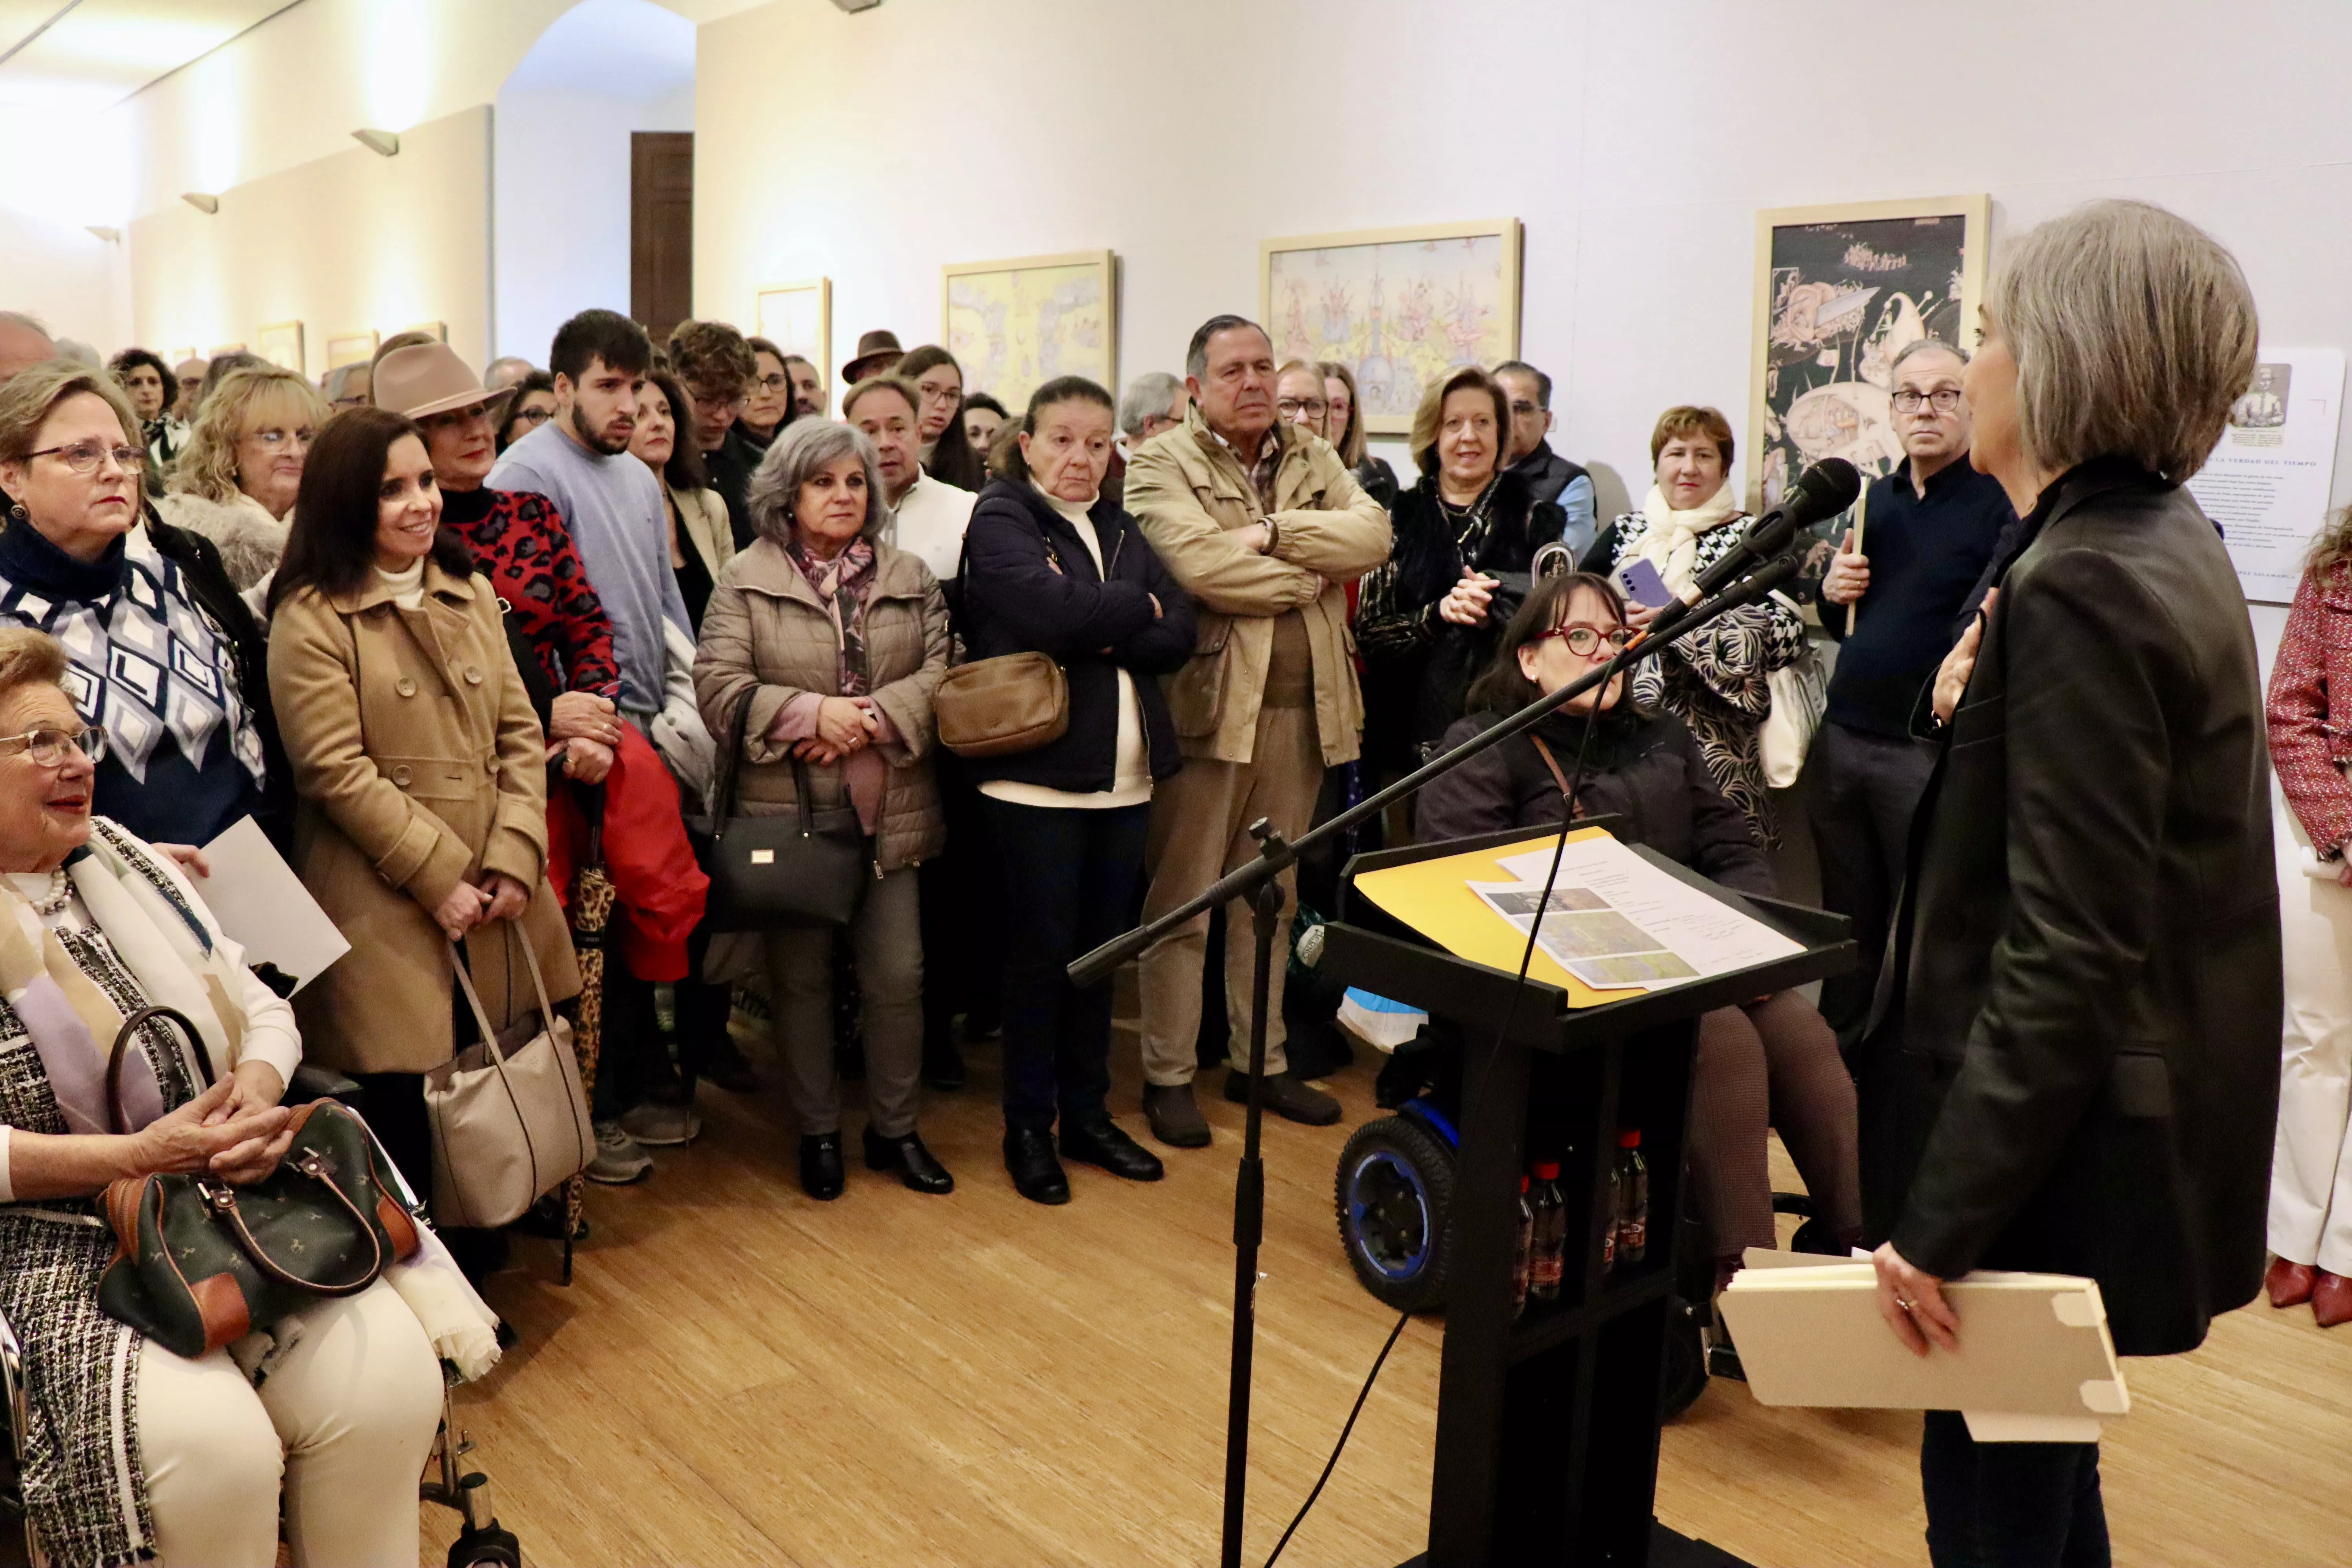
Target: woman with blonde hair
1344, 419
238, 477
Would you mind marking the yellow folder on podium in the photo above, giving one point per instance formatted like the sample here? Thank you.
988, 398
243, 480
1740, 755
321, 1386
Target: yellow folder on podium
2035, 1362
1434, 898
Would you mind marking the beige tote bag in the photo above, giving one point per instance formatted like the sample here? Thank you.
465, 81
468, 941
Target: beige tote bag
509, 1119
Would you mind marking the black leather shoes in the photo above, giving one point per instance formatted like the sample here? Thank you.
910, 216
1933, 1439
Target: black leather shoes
1030, 1161
1100, 1143
822, 1176
1285, 1096
908, 1156
1176, 1120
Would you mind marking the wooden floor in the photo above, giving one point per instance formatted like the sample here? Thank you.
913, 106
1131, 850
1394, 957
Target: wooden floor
741, 1375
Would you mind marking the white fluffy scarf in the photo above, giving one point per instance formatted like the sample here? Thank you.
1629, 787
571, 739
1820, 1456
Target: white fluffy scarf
1670, 542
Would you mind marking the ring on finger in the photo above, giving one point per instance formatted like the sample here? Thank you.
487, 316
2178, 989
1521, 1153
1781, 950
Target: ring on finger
1906, 1306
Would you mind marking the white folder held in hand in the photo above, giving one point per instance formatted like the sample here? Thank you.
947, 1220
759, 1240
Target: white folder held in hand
263, 907
2035, 1362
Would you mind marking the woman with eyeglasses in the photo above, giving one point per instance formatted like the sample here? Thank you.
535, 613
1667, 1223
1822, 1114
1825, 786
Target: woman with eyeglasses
768, 407
170, 667
1428, 618
1771, 1063
533, 406
946, 451
236, 479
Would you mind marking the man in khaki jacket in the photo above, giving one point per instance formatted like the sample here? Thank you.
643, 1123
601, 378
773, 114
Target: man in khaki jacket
1264, 526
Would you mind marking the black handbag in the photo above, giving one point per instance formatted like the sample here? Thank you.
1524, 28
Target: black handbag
199, 1262
809, 868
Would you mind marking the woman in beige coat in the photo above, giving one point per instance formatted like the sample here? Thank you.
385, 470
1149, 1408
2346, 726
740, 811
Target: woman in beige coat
838, 640
421, 771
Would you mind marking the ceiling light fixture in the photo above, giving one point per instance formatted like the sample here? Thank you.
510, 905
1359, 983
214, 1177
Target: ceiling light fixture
383, 141
201, 202
107, 235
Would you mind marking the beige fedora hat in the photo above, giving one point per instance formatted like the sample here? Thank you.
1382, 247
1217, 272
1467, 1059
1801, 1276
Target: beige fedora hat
428, 378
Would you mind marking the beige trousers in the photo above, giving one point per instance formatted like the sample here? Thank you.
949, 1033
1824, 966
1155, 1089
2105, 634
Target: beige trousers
1200, 830
343, 1424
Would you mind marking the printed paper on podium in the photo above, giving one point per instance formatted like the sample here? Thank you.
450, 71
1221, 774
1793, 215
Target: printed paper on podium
2035, 1362
263, 907
1615, 925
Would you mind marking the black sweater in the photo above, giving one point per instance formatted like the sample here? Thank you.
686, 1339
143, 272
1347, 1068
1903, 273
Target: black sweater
1094, 624
1644, 767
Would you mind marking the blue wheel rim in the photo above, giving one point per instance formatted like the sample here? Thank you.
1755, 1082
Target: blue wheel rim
1388, 1221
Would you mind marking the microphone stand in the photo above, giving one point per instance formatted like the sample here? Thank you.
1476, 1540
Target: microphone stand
1257, 882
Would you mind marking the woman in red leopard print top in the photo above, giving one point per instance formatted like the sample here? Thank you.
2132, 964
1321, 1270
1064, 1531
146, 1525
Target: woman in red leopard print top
2311, 740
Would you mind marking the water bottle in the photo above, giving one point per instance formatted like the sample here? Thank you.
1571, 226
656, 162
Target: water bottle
1609, 1231
1632, 1184
1551, 1233
1519, 1272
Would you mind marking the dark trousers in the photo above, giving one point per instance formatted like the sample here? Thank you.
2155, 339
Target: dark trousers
963, 959
2010, 1505
1068, 879
1861, 790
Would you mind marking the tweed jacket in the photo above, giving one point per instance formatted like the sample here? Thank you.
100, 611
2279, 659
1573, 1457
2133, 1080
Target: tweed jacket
418, 764
2074, 1062
1192, 494
766, 632
2310, 734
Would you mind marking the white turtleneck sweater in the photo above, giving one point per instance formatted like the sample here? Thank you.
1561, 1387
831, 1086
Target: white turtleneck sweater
1132, 776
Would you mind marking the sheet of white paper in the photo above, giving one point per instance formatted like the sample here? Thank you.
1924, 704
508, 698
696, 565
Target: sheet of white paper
1681, 922
264, 907
2267, 483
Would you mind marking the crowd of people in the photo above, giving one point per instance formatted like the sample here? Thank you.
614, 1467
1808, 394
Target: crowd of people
433, 630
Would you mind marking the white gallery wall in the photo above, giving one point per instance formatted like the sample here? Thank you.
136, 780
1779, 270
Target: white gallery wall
1635, 142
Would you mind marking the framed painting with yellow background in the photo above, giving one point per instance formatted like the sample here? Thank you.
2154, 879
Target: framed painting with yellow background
1399, 307
1016, 325
350, 348
281, 345
798, 319
1840, 291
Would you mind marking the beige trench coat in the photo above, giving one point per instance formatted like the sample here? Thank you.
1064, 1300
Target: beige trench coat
1190, 494
766, 629
702, 518
418, 764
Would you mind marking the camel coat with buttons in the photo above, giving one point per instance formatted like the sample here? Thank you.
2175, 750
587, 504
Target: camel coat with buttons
418, 764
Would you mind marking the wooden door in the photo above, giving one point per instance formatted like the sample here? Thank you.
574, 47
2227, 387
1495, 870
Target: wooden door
661, 229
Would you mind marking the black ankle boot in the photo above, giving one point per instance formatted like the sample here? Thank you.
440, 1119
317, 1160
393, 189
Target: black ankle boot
1036, 1172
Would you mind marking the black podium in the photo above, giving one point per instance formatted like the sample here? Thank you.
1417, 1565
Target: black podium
1548, 1426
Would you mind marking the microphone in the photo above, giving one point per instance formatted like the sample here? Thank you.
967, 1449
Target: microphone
1823, 491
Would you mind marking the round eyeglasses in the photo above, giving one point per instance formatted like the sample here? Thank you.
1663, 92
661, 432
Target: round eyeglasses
1582, 639
47, 747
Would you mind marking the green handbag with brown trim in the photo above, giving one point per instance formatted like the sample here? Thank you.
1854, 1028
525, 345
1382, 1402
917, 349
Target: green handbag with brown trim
199, 1263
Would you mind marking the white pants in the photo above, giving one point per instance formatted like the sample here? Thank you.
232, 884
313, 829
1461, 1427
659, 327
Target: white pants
345, 1421
2311, 1174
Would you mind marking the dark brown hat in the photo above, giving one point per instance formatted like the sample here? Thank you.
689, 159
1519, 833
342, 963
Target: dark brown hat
876, 351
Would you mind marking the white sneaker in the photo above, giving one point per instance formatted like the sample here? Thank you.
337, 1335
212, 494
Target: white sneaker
620, 1159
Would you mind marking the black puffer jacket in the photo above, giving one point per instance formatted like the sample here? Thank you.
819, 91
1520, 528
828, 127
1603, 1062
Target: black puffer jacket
1418, 666
1094, 624
1646, 768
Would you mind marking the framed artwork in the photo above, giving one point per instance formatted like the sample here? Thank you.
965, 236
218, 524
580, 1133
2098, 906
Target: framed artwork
1399, 307
281, 345
1840, 291
350, 348
1016, 325
182, 356
219, 349
798, 319
437, 331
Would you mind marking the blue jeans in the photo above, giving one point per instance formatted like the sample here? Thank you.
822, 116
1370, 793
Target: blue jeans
2010, 1505
1068, 877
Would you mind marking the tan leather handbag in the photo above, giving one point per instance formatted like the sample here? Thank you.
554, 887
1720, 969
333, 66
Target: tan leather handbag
508, 1116
995, 707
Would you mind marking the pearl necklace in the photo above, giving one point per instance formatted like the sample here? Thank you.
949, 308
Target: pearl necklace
60, 890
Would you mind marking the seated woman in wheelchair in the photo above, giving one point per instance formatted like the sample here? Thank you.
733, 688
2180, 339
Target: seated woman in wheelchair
1771, 1063
131, 1451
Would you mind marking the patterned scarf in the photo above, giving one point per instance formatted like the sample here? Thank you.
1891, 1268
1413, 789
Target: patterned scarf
845, 577
1670, 542
169, 949
147, 662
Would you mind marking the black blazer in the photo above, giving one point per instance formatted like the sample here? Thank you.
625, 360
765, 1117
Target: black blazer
1094, 624
2073, 1065
1644, 767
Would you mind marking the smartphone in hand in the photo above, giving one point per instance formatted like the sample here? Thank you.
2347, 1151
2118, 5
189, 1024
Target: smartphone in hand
1640, 583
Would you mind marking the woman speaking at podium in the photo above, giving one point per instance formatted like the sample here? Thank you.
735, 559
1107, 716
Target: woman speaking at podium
2075, 1069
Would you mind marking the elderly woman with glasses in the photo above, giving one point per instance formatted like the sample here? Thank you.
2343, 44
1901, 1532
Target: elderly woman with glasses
167, 659
235, 481
133, 1451
822, 647
1769, 1063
